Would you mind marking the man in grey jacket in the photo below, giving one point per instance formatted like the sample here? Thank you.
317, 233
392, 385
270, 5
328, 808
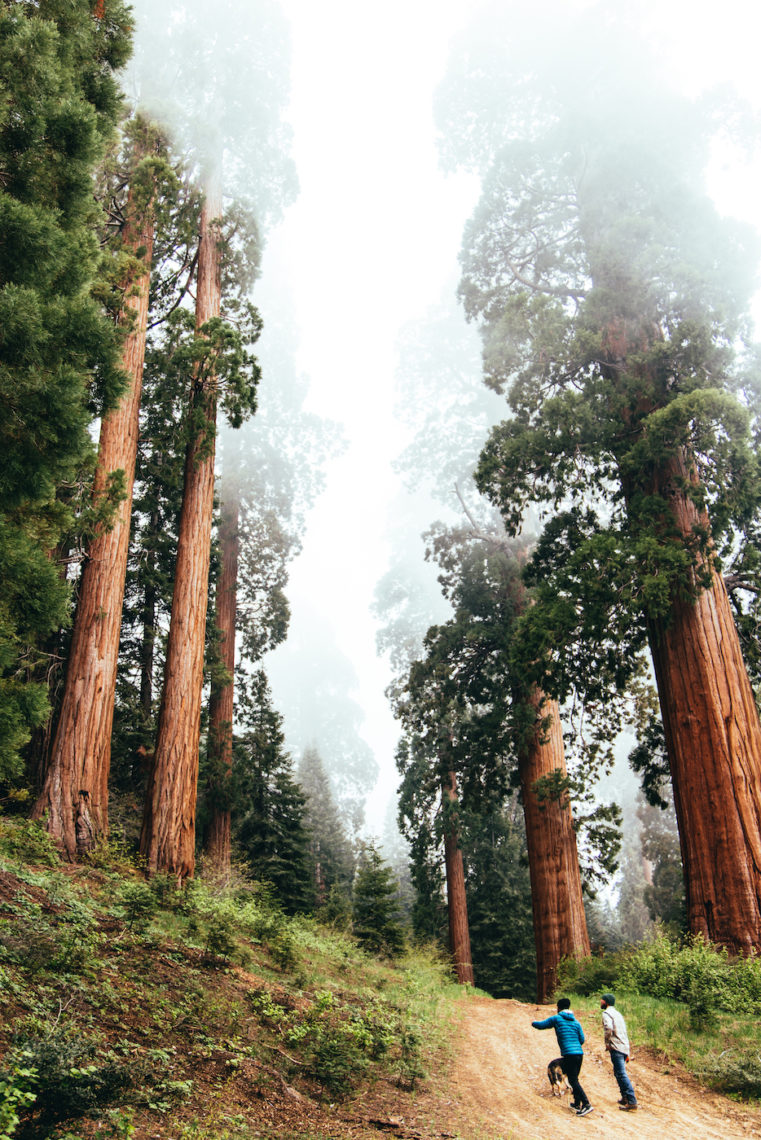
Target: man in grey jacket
617, 1044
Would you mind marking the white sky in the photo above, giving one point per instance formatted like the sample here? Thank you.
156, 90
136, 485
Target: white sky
371, 243
367, 247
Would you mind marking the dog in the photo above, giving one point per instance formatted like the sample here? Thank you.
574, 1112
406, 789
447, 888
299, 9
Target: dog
558, 1080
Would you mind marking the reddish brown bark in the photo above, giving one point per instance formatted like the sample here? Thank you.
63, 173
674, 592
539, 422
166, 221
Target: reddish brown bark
560, 926
710, 719
223, 696
169, 822
713, 739
76, 783
457, 904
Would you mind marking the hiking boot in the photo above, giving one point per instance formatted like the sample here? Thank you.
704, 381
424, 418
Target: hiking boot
584, 1110
623, 1101
629, 1106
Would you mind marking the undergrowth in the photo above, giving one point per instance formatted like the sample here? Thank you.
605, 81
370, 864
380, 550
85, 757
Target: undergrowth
129, 1008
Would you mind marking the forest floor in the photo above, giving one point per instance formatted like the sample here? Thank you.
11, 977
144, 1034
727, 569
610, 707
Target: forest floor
497, 1088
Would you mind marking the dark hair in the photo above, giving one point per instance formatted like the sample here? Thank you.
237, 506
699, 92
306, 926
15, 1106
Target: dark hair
563, 1003
609, 999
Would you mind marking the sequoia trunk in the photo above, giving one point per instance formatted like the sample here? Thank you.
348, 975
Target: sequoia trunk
560, 925
457, 904
169, 823
713, 739
222, 696
74, 795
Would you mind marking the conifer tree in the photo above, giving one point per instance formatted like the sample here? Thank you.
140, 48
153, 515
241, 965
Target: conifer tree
59, 353
331, 856
375, 912
465, 709
611, 296
75, 793
270, 818
499, 900
225, 138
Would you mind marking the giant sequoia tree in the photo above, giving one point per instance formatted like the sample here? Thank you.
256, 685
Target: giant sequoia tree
611, 296
75, 792
236, 151
470, 717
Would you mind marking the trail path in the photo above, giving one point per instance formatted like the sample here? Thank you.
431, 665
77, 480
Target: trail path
499, 1086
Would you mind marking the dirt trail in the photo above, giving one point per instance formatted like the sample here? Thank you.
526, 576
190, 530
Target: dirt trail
499, 1086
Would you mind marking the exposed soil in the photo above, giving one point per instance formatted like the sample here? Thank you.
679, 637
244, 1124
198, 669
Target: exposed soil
498, 1087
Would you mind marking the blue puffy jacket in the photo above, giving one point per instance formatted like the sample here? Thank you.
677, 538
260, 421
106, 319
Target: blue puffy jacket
568, 1031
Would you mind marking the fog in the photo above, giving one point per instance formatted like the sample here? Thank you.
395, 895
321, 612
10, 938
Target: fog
363, 262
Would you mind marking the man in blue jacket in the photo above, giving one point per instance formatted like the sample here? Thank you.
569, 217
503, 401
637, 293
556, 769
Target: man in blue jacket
570, 1037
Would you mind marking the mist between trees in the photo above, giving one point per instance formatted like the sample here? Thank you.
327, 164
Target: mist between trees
588, 439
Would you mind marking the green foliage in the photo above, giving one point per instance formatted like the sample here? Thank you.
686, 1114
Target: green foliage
500, 913
589, 976
16, 1095
58, 352
611, 298
375, 912
139, 904
732, 1071
27, 841
340, 1040
67, 1080
694, 972
148, 1015
268, 805
331, 856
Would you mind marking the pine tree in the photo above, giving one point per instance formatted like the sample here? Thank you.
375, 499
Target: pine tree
331, 857
611, 296
59, 353
375, 913
499, 901
270, 809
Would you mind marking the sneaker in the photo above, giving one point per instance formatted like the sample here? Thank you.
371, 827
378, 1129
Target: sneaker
574, 1106
628, 1107
584, 1110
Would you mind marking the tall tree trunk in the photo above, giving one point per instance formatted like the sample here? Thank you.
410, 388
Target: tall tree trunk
560, 926
713, 739
457, 904
75, 792
148, 618
223, 696
169, 821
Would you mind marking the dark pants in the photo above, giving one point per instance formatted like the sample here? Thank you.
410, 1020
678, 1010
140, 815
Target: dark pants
571, 1068
619, 1068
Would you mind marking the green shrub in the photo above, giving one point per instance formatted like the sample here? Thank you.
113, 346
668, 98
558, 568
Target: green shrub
27, 841
115, 854
733, 1072
139, 905
337, 1060
651, 969
588, 975
68, 1081
16, 1094
220, 929
62, 945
